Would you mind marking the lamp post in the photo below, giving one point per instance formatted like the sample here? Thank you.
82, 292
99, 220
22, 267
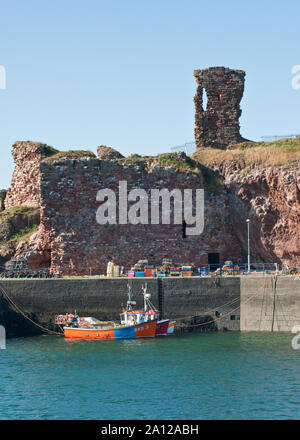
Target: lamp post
248, 232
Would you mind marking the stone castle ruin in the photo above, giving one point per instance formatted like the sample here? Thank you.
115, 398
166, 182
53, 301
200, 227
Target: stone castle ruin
218, 125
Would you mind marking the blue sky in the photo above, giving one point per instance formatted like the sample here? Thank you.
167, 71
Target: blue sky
120, 73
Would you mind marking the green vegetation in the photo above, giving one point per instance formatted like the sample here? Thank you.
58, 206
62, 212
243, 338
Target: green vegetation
71, 154
247, 154
135, 159
24, 234
212, 181
178, 161
16, 210
16, 224
49, 151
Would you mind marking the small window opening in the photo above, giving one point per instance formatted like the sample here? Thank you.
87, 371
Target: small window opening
183, 229
204, 100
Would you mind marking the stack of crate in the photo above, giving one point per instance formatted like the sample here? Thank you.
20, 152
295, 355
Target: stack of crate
130, 274
110, 269
140, 273
149, 272
187, 271
175, 271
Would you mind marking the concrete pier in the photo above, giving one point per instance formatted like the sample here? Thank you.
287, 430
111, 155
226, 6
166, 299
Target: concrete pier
233, 303
270, 305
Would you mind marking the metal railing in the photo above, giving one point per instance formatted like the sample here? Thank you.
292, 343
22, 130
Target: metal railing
278, 137
188, 148
238, 269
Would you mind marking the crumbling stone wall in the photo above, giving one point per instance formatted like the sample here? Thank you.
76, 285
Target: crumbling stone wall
108, 153
24, 189
218, 125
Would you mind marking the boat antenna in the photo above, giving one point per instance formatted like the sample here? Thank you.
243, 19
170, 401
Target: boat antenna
129, 305
129, 292
147, 302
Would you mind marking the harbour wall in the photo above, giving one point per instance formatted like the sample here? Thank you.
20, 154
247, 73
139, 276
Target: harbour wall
232, 303
270, 304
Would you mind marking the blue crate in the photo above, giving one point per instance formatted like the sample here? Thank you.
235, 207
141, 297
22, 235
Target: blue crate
139, 274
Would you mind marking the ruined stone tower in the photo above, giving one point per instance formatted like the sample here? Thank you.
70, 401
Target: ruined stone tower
218, 125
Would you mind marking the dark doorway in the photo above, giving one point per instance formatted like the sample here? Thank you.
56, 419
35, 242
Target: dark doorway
214, 261
183, 229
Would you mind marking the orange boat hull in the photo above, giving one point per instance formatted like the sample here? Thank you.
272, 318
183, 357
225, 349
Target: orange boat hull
145, 330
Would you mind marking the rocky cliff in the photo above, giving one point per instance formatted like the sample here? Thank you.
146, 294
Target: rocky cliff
263, 184
17, 225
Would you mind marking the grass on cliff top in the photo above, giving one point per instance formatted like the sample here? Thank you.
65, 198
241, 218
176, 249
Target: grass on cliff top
247, 154
48, 150
71, 154
178, 161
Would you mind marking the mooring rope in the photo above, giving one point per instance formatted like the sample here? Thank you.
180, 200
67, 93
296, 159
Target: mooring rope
210, 310
223, 316
25, 316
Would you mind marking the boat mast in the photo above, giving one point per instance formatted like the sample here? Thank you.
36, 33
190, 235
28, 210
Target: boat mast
144, 289
129, 298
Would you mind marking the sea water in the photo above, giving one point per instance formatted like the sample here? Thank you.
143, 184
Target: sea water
194, 376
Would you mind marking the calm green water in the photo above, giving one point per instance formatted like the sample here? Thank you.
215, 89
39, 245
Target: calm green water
195, 376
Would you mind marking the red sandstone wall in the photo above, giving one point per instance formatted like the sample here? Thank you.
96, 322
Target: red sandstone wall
77, 244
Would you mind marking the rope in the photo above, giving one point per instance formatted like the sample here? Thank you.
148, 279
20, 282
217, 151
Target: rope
223, 316
274, 301
210, 310
25, 316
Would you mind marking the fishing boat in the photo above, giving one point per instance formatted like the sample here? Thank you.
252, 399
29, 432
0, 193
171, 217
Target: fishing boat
133, 325
141, 323
171, 327
163, 327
